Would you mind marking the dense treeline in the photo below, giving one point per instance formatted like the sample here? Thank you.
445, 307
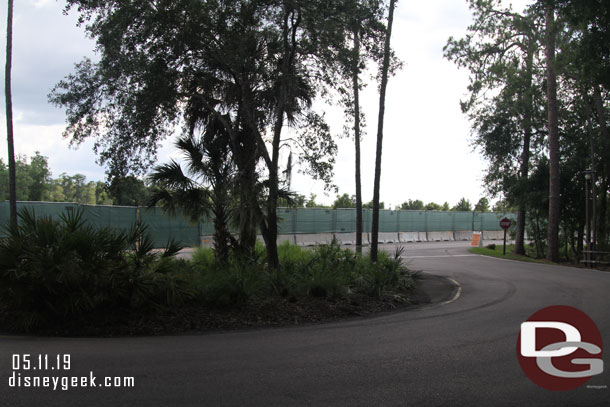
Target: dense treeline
538, 104
36, 183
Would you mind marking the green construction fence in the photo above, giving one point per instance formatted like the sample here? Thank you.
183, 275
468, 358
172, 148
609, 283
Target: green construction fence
163, 226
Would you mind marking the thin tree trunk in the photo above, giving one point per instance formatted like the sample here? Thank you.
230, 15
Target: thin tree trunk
554, 204
382, 92
605, 141
355, 84
525, 154
9, 117
593, 166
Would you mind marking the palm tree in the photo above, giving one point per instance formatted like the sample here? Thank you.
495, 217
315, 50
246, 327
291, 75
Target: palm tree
9, 116
206, 187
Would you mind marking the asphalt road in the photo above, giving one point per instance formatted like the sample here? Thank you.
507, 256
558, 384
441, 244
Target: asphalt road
451, 354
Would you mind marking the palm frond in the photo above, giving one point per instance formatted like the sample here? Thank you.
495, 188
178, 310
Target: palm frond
171, 176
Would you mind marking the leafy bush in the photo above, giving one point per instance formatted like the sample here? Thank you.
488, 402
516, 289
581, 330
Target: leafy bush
60, 271
56, 271
389, 272
329, 272
232, 283
203, 257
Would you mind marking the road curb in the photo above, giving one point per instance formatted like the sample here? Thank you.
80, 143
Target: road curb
433, 291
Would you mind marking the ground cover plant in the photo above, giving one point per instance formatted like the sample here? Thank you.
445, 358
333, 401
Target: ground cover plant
64, 276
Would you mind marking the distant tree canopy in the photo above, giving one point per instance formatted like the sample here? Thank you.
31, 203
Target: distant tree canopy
462, 206
33, 178
482, 205
35, 183
345, 201
416, 205
128, 191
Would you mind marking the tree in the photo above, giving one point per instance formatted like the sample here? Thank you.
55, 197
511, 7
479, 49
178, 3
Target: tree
207, 186
370, 204
416, 205
41, 177
501, 51
385, 67
482, 205
433, 206
33, 178
9, 116
363, 20
462, 206
254, 66
345, 201
554, 186
101, 194
296, 201
587, 59
128, 191
502, 205
73, 188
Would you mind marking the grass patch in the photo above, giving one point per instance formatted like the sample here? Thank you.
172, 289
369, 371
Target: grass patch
497, 251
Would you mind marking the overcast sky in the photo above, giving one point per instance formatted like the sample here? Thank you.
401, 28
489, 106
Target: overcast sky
427, 152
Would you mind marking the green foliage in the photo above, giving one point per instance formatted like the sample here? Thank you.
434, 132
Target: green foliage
203, 257
34, 183
462, 206
482, 205
128, 191
345, 201
415, 205
388, 273
206, 186
73, 188
33, 178
311, 202
55, 271
326, 271
369, 205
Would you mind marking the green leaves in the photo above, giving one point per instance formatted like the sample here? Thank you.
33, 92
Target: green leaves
54, 271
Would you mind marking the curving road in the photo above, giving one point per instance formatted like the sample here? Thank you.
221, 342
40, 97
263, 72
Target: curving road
450, 354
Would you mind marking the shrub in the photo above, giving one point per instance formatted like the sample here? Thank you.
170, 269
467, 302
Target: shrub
59, 270
332, 271
203, 257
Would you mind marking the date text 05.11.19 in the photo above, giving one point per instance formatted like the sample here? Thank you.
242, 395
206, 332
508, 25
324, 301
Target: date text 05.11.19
39, 361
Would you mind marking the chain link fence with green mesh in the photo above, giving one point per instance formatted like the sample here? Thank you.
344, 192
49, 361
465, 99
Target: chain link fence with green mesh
163, 226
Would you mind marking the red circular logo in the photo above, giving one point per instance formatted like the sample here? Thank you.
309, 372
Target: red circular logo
560, 348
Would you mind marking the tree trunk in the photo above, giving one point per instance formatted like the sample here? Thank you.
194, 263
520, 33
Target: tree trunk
525, 154
593, 165
355, 84
222, 237
382, 92
9, 117
554, 207
605, 184
247, 220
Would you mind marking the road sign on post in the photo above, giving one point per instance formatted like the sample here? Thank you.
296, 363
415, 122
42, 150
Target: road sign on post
504, 224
